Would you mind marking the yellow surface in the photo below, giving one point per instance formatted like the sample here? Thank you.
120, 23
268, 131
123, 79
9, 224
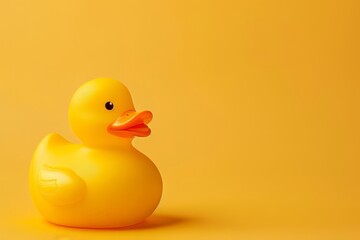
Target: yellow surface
256, 110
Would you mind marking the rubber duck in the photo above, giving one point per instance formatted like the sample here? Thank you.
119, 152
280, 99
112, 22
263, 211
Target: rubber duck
104, 182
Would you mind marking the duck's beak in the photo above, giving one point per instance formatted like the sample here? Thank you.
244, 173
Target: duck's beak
131, 124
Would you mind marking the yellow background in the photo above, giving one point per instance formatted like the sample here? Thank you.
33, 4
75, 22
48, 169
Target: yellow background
256, 110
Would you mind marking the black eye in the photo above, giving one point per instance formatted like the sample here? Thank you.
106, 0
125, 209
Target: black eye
109, 105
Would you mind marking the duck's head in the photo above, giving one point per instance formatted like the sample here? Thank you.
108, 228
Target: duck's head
102, 114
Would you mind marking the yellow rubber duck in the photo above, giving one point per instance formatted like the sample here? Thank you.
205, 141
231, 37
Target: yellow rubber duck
104, 182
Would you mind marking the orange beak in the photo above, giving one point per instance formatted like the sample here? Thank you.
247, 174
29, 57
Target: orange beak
131, 124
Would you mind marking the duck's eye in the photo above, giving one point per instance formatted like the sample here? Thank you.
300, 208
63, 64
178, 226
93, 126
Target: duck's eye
109, 105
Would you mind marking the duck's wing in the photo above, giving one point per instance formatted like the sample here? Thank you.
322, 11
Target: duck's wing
60, 186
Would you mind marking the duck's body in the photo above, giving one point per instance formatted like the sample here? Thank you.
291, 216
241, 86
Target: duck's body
74, 185
93, 186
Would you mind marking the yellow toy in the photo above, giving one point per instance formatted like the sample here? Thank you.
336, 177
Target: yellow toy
104, 182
